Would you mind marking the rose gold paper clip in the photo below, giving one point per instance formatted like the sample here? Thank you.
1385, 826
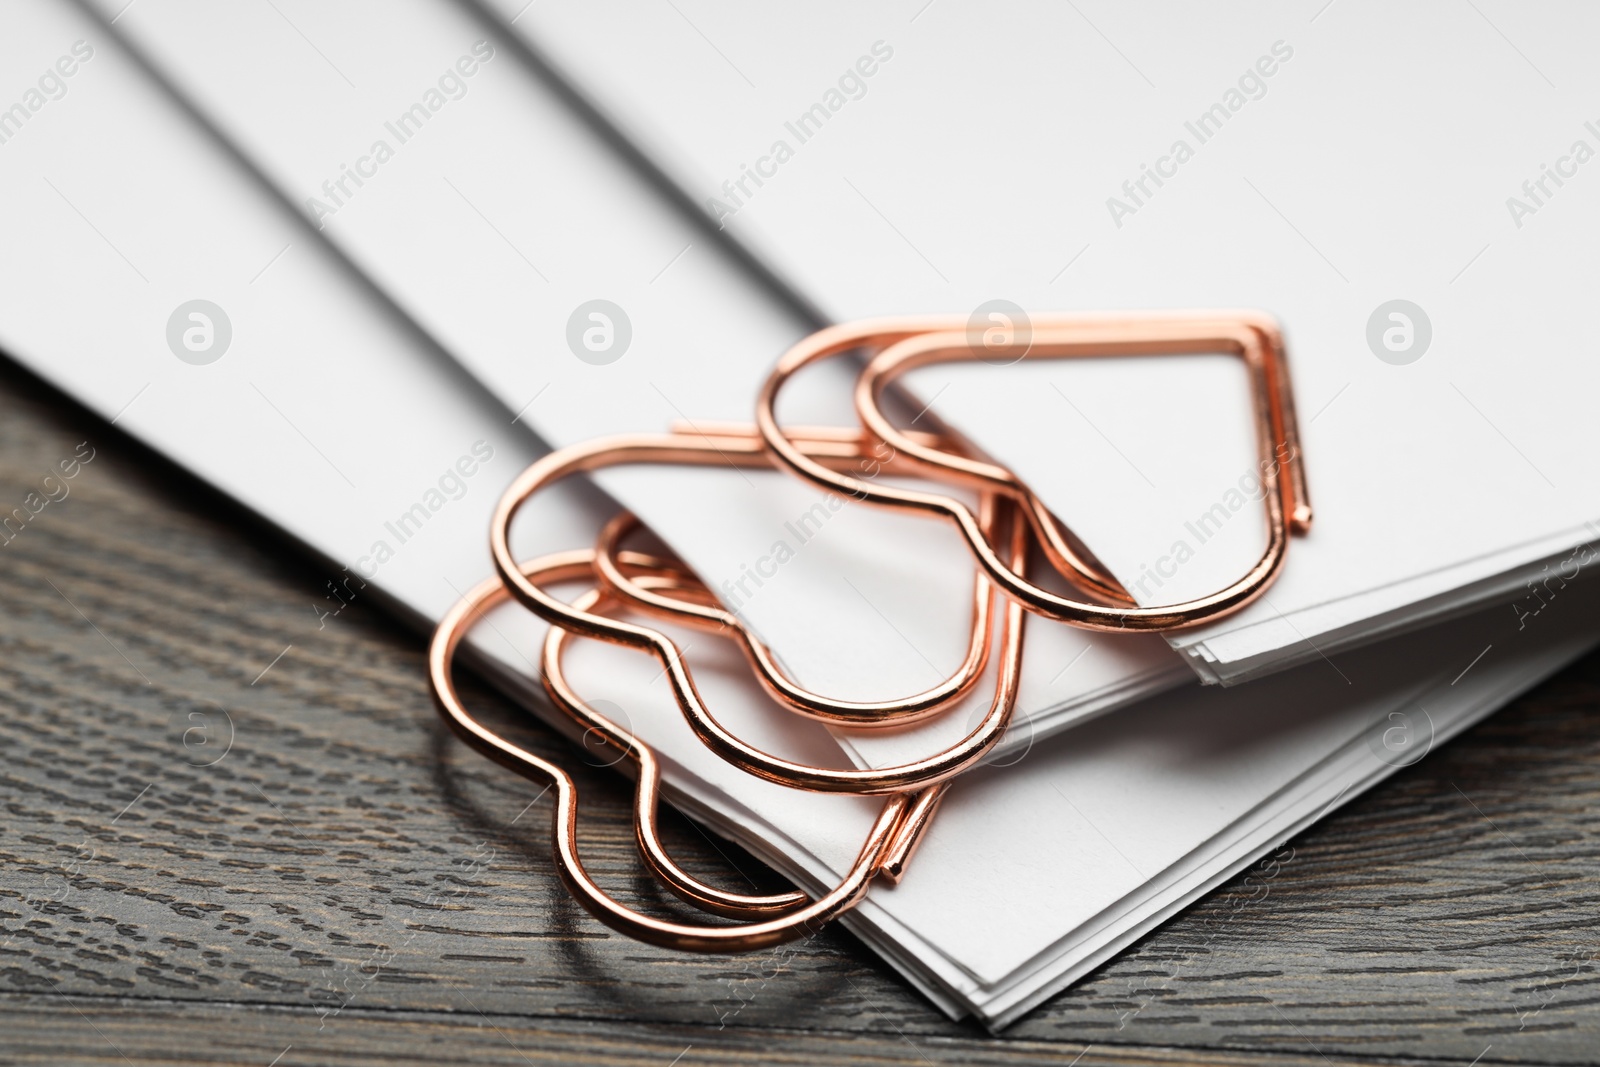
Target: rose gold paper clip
903, 343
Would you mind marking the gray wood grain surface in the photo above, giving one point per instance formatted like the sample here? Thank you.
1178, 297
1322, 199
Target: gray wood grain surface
234, 833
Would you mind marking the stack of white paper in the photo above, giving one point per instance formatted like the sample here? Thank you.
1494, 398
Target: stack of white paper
346, 396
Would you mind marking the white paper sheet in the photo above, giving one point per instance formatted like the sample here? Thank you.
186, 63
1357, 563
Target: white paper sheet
1316, 163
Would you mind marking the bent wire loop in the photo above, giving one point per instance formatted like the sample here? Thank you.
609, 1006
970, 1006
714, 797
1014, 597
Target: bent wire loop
695, 606
685, 886
905, 343
703, 612
712, 733
847, 461
902, 815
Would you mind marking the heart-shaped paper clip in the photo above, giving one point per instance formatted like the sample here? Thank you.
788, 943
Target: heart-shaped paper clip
701, 610
747, 450
685, 886
556, 611
609, 451
893, 836
910, 342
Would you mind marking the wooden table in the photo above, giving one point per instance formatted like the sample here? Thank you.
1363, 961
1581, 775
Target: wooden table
346, 883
